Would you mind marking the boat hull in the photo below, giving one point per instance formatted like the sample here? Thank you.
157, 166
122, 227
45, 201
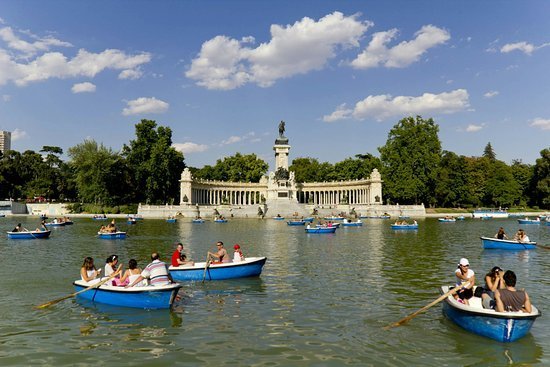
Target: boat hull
321, 230
352, 224
150, 297
500, 326
220, 220
493, 243
62, 224
112, 236
28, 235
296, 222
171, 220
528, 221
443, 220
251, 267
405, 227
197, 221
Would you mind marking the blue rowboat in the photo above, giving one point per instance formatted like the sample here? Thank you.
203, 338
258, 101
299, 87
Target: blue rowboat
29, 235
308, 219
404, 226
112, 236
352, 224
404, 217
220, 220
494, 243
321, 230
99, 218
333, 218
68, 222
529, 221
326, 225
197, 221
296, 222
460, 217
447, 220
486, 217
148, 297
251, 267
131, 221
279, 218
171, 220
500, 326
55, 224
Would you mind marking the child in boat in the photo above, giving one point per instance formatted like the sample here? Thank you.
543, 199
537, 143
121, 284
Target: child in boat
238, 254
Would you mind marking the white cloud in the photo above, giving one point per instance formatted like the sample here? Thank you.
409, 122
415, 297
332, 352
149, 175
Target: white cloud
491, 94
18, 134
383, 106
29, 49
251, 137
145, 105
130, 74
544, 124
225, 63
403, 54
523, 46
28, 62
83, 87
341, 113
473, 128
189, 147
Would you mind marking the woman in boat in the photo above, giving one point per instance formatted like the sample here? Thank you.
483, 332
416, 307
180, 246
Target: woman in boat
493, 281
464, 275
501, 235
88, 272
131, 274
521, 236
110, 268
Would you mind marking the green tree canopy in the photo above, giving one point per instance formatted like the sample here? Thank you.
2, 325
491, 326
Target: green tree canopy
236, 168
410, 161
541, 180
155, 166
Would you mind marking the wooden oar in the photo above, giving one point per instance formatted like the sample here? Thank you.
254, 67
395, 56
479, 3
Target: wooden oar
97, 285
206, 265
542, 246
441, 298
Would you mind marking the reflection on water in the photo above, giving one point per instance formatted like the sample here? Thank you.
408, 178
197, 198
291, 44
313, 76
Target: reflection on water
321, 300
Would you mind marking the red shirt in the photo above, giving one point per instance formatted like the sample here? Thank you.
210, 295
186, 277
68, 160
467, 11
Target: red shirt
175, 258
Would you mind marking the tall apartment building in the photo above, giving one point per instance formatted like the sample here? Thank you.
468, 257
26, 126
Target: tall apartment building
5, 141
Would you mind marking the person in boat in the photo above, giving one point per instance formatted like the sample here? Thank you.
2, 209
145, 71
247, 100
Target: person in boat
521, 236
221, 254
464, 275
131, 274
493, 281
19, 228
509, 299
88, 271
178, 256
41, 227
111, 264
157, 273
237, 254
501, 235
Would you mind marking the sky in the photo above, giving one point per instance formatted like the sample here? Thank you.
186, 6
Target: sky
222, 74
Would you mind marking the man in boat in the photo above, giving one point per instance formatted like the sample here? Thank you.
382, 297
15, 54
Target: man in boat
178, 257
157, 272
221, 255
510, 299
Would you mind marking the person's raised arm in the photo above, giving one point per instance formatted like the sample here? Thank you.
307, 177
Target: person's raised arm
527, 306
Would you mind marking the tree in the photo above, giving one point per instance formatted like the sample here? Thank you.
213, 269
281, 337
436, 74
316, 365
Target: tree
155, 166
489, 153
101, 176
451, 185
310, 170
501, 188
541, 180
410, 161
355, 169
523, 175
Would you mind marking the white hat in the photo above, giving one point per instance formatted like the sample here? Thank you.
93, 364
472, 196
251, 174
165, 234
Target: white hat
463, 262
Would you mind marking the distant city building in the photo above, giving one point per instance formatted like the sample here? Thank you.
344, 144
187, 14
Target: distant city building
5, 141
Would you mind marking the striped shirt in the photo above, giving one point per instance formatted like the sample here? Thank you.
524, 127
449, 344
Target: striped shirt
157, 273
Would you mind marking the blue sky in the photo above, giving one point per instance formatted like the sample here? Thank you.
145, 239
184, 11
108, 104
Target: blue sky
222, 74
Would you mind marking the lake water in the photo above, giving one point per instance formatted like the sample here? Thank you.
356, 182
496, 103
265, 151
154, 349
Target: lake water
322, 300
